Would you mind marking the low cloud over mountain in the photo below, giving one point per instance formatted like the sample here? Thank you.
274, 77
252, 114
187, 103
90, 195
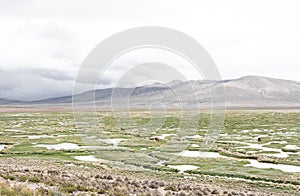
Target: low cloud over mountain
249, 91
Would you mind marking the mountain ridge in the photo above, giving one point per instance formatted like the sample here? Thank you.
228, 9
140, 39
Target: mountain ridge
246, 91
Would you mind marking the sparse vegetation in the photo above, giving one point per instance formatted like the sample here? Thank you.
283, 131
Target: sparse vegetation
133, 166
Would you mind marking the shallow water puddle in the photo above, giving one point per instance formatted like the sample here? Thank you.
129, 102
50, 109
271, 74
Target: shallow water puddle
161, 163
279, 153
2, 147
17, 131
89, 158
114, 142
163, 136
183, 168
39, 136
62, 146
200, 154
66, 146
282, 154
292, 147
194, 137
282, 167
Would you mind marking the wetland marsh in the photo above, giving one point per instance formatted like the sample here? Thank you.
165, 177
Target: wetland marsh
257, 153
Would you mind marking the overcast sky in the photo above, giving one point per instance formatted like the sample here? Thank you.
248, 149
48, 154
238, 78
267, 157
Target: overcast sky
43, 43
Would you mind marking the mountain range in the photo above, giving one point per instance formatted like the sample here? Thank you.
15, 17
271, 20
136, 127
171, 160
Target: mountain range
248, 91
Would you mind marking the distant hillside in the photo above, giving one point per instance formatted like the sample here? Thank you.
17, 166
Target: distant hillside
8, 102
249, 91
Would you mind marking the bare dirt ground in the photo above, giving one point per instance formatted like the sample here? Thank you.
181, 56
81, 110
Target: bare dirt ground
75, 178
68, 108
27, 108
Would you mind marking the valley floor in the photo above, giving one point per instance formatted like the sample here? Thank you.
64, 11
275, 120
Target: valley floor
43, 153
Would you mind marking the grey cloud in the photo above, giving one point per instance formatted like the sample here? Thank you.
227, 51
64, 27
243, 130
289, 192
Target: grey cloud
34, 84
9, 7
81, 9
56, 32
49, 74
28, 86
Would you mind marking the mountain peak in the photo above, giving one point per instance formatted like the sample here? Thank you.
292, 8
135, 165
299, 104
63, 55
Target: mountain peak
247, 91
174, 83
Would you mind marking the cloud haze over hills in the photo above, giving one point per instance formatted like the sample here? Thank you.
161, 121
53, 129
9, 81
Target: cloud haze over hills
248, 91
